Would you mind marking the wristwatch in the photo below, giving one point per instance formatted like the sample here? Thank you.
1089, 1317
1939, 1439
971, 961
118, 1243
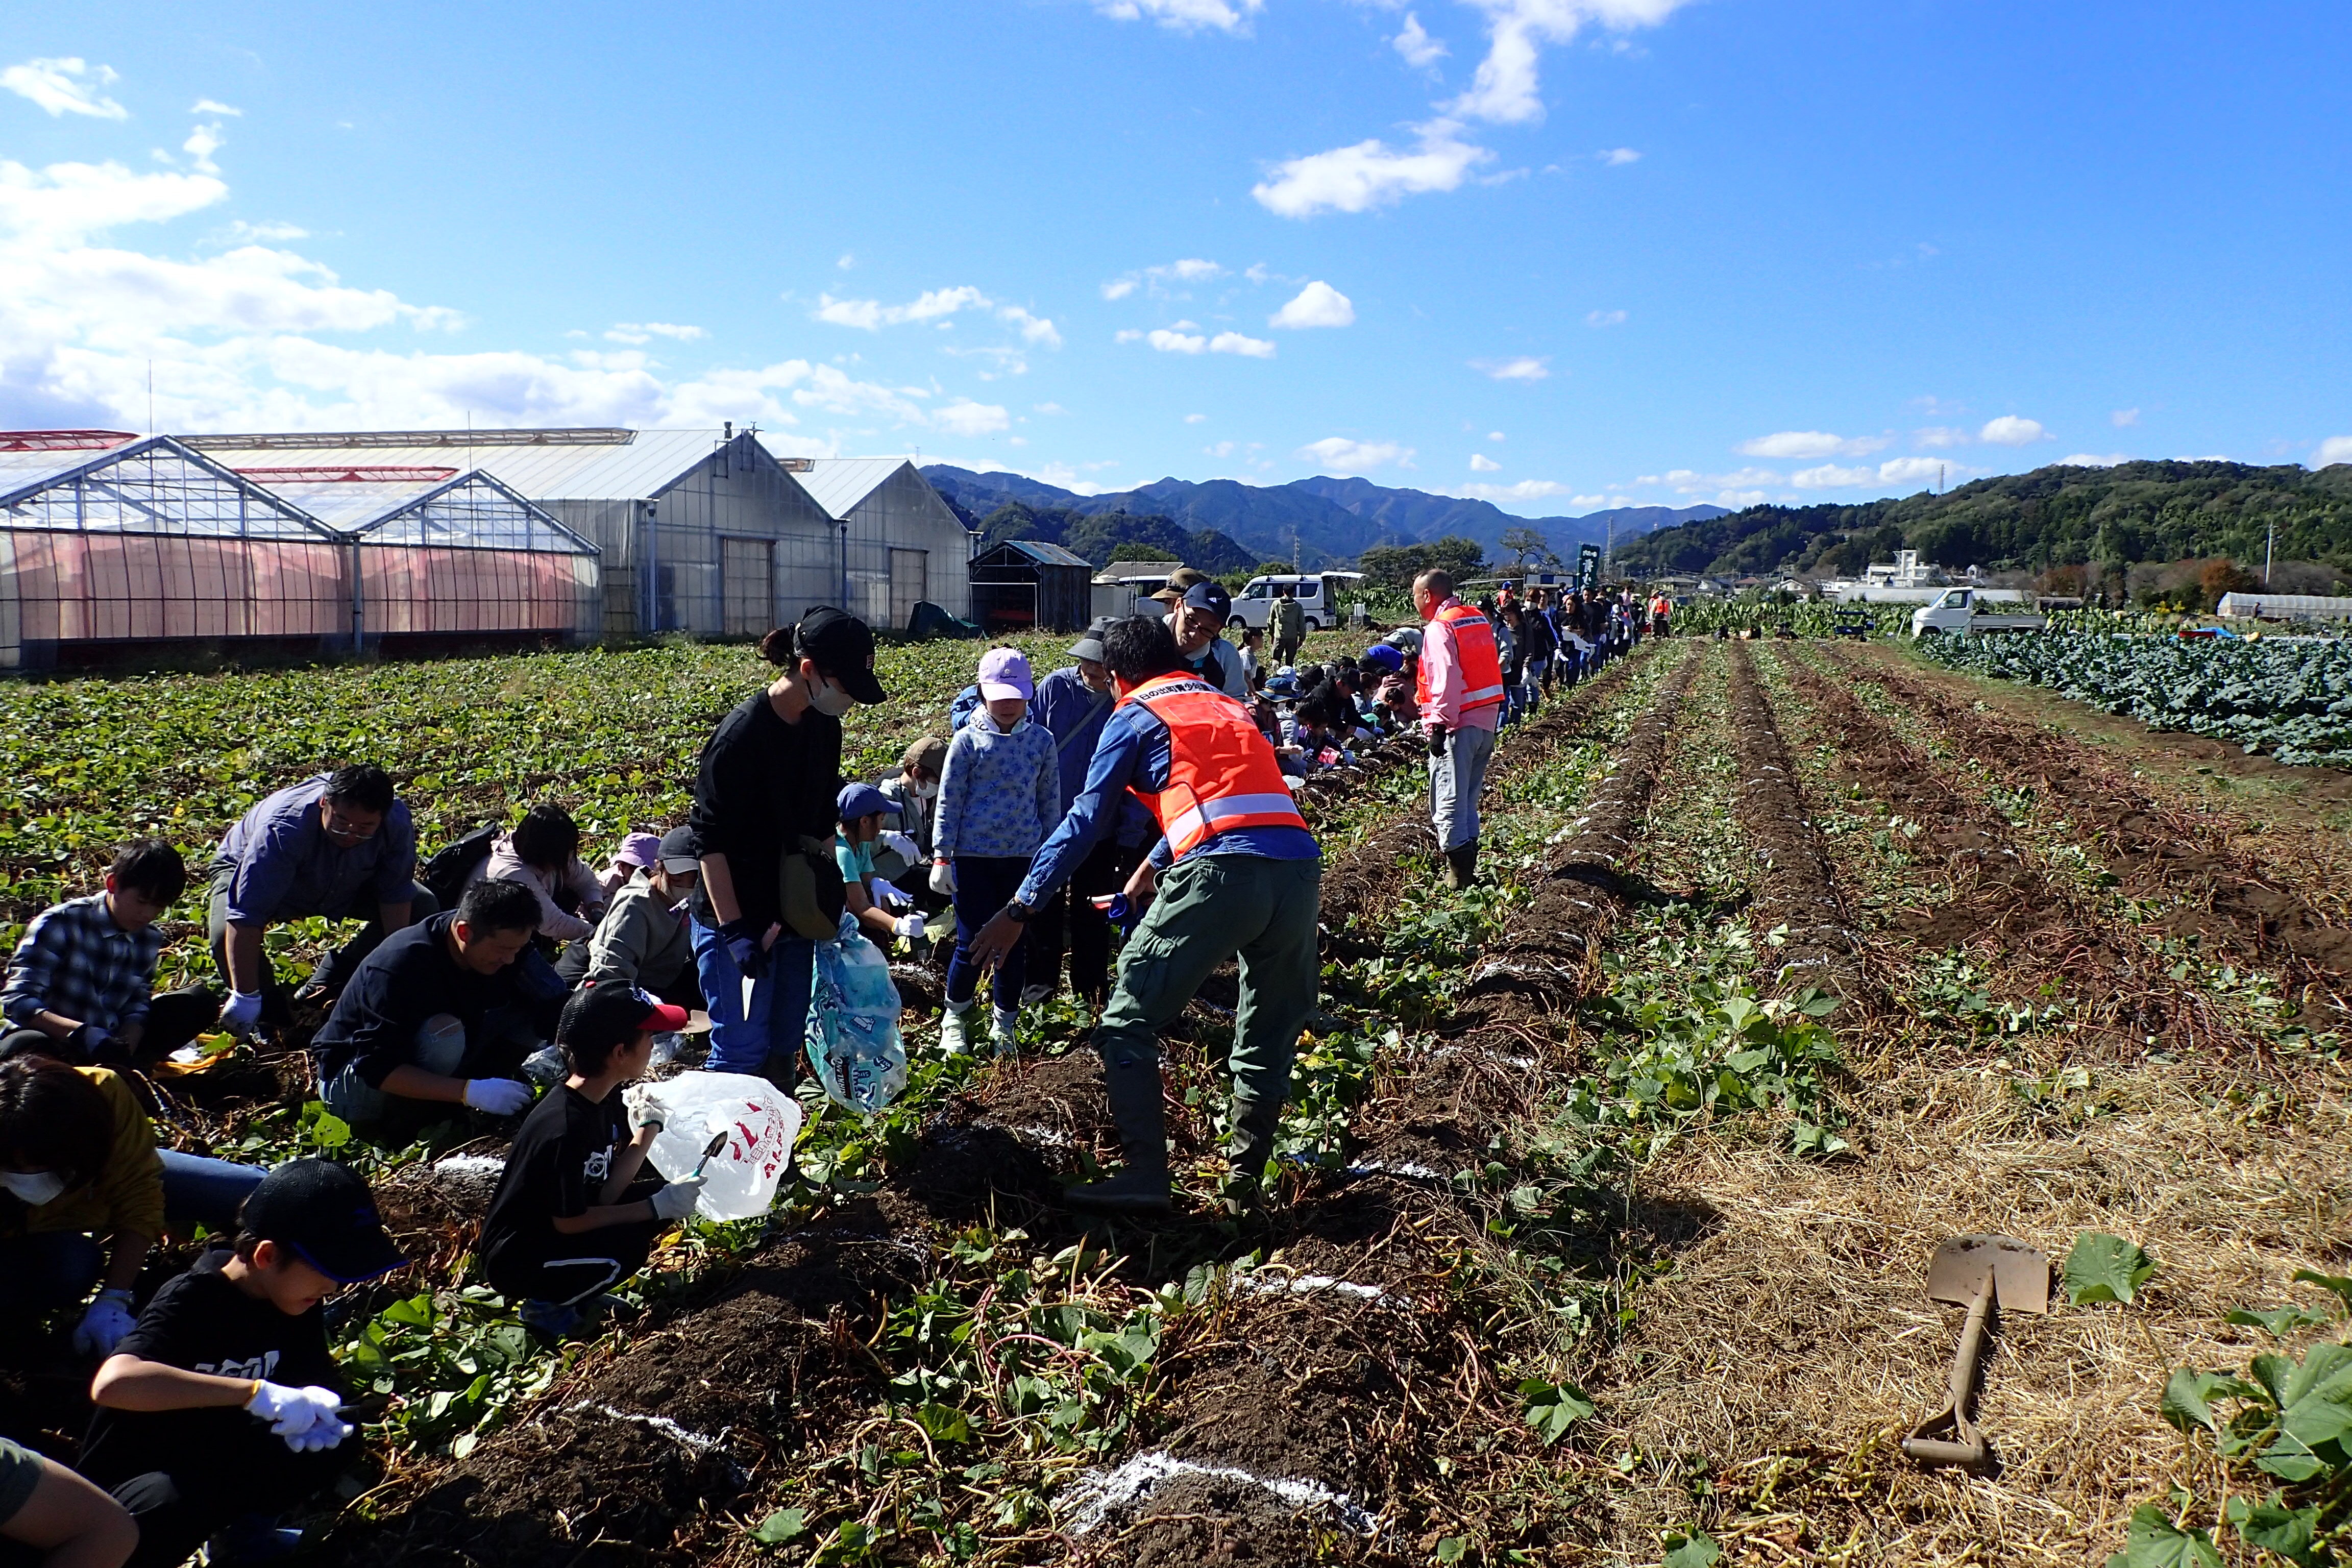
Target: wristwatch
1017, 911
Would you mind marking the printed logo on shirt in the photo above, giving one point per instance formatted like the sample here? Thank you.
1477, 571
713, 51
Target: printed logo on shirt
255, 1367
598, 1166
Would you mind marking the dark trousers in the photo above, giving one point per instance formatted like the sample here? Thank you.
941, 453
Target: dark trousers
1070, 922
985, 884
334, 971
583, 1265
174, 1019
209, 1490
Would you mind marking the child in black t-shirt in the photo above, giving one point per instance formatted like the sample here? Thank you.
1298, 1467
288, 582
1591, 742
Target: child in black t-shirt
237, 1342
572, 1216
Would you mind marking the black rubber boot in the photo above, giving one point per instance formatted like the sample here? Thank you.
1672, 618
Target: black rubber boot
1247, 1149
1133, 1089
1462, 865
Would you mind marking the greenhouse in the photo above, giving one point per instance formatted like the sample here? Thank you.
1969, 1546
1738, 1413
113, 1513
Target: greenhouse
442, 553
107, 539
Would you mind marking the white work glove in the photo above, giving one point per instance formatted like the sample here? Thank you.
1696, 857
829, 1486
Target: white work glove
903, 846
943, 879
908, 926
104, 1324
644, 1109
292, 1412
887, 896
498, 1096
676, 1201
327, 1433
244, 1011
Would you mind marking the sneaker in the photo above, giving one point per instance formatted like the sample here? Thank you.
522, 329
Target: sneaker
952, 1038
1004, 1030
550, 1320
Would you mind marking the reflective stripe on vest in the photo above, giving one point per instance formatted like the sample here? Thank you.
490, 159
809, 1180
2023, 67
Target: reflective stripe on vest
1474, 655
1222, 773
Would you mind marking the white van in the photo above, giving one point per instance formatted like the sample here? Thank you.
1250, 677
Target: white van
1319, 595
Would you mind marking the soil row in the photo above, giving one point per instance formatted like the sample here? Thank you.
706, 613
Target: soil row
2158, 851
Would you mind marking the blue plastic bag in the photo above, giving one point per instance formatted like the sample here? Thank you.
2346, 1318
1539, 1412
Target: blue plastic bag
853, 1028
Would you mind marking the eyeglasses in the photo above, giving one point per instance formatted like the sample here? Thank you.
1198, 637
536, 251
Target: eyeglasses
343, 830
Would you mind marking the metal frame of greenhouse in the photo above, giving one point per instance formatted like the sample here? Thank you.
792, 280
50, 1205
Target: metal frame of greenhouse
112, 543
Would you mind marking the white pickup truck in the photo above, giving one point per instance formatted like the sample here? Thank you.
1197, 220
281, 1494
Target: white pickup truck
1956, 611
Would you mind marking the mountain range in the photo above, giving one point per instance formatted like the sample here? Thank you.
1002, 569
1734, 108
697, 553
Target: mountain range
1329, 522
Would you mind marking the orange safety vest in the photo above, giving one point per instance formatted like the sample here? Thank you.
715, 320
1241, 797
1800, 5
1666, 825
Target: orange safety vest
1222, 773
1473, 650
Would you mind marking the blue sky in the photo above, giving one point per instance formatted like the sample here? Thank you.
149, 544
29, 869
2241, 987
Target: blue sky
1558, 253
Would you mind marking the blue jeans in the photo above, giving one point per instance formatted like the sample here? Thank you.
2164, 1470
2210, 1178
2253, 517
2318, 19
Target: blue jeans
440, 1047
774, 1025
198, 1191
985, 884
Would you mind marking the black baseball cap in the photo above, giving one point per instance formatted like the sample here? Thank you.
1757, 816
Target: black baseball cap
613, 1013
324, 1212
842, 646
681, 850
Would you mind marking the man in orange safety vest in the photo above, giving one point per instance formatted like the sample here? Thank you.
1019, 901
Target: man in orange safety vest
1235, 873
1460, 688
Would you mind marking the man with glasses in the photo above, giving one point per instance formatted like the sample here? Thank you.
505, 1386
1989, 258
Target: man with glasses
337, 844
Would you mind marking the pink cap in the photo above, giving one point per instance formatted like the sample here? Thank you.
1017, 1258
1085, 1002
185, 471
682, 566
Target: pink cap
641, 849
1005, 673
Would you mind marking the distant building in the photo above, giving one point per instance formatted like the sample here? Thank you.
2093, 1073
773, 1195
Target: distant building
1907, 571
1027, 584
905, 546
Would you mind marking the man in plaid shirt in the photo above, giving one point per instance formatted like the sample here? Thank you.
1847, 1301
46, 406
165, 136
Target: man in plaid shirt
79, 986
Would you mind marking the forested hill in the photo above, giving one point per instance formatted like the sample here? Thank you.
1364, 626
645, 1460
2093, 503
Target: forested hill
2054, 516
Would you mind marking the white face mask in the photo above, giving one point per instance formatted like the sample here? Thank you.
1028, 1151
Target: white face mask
831, 701
32, 1188
925, 791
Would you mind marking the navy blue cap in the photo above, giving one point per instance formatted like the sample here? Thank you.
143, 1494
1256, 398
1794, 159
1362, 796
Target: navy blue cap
326, 1214
856, 800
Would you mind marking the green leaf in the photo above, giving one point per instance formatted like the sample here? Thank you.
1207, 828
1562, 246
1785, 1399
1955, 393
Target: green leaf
785, 1524
2104, 1267
2278, 1321
1452, 1549
1696, 1550
2189, 1396
1552, 1409
2338, 1283
2314, 1415
2155, 1542
2289, 1532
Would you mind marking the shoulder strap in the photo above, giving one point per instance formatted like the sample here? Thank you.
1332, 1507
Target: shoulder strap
1101, 701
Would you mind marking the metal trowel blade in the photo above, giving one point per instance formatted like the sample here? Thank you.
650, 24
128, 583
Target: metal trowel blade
2020, 1274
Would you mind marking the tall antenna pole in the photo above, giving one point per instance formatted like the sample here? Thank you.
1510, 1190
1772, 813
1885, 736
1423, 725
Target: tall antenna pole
151, 406
2270, 551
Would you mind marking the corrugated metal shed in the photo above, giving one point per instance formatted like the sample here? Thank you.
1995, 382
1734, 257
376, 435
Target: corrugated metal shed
839, 484
1046, 555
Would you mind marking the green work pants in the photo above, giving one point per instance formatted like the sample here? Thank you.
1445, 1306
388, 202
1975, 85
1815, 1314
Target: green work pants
1209, 909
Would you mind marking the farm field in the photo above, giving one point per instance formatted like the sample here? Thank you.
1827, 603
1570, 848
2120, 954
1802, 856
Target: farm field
1616, 1175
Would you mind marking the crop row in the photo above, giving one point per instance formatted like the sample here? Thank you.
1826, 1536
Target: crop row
2292, 700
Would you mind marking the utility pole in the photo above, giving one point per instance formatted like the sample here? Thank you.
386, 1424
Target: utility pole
2270, 551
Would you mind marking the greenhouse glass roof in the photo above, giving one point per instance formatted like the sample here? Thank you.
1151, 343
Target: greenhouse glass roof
152, 486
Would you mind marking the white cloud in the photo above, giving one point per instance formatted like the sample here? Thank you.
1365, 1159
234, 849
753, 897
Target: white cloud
1170, 343
872, 315
1420, 50
1940, 436
964, 417
1192, 269
1504, 89
1525, 490
1222, 449
1604, 318
1168, 278
1118, 288
1618, 157
1690, 482
2124, 418
1920, 471
1317, 305
1341, 456
2092, 460
1830, 477
1737, 500
1800, 444
66, 85
238, 230
846, 260
2009, 430
1186, 16
1049, 409
202, 143
1033, 329
646, 332
1196, 419
1493, 435
1234, 343
1371, 173
1524, 368
1482, 464
2334, 450
214, 106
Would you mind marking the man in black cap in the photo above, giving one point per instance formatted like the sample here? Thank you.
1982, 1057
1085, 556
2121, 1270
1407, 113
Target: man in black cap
1197, 611
221, 1411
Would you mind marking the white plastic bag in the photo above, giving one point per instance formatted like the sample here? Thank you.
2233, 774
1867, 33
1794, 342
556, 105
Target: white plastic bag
760, 1123
853, 1027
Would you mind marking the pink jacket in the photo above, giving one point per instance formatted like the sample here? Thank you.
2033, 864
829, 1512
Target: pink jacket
1443, 669
506, 866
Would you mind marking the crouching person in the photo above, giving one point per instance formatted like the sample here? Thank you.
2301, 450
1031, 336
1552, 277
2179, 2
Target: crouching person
577, 1211
51, 1516
219, 1413
437, 1015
